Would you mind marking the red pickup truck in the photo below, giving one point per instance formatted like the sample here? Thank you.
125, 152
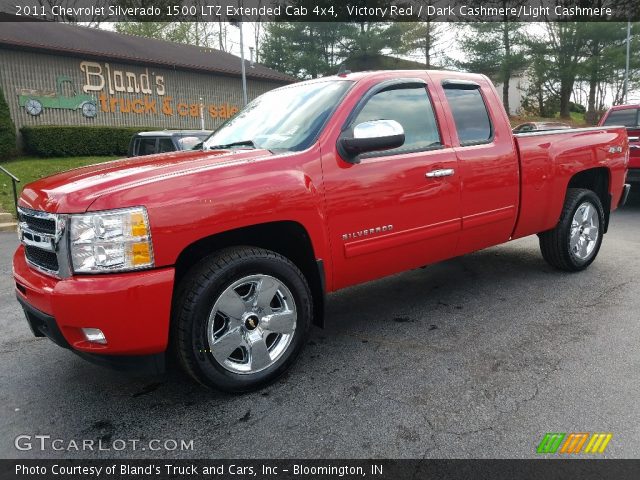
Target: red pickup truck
224, 256
629, 117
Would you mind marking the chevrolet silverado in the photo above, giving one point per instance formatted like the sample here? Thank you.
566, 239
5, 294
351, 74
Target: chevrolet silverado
223, 256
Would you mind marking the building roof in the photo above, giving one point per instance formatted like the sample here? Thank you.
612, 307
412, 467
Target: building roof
60, 38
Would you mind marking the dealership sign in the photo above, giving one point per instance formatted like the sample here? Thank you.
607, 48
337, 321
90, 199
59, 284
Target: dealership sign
117, 91
111, 82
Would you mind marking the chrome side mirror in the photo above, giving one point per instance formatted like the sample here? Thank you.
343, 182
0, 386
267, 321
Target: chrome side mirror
372, 136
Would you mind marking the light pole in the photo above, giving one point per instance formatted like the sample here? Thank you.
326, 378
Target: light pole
238, 23
201, 114
626, 68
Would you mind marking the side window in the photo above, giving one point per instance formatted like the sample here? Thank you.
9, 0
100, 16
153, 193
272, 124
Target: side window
627, 117
412, 109
147, 146
470, 115
165, 145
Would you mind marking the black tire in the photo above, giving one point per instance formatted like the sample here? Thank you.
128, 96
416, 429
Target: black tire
196, 297
556, 244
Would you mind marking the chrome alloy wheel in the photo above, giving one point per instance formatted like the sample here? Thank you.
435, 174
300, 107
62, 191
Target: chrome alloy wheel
251, 324
585, 228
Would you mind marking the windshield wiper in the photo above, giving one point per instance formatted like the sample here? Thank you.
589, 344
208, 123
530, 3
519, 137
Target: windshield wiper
242, 143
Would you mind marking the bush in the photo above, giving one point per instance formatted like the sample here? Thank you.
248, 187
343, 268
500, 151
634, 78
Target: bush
576, 107
7, 129
58, 141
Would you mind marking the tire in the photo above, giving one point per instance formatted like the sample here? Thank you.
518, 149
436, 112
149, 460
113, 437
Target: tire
575, 242
33, 107
250, 298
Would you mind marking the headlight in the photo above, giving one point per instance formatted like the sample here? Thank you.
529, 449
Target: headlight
116, 240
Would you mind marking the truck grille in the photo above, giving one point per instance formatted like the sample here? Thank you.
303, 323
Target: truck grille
41, 239
42, 258
38, 224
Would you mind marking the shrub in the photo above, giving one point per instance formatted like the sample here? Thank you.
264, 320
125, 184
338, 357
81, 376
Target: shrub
59, 141
7, 129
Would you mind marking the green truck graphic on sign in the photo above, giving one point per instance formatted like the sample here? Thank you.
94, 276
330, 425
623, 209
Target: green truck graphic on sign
65, 96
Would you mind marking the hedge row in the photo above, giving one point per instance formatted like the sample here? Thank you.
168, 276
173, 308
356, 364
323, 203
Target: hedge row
7, 130
56, 141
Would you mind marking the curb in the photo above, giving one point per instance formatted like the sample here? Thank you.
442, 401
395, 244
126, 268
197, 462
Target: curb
7, 222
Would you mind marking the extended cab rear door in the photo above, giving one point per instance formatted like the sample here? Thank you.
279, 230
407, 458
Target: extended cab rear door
389, 212
488, 165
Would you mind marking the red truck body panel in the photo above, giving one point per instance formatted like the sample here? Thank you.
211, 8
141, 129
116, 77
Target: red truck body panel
365, 220
632, 131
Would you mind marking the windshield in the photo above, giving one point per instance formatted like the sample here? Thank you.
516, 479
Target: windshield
285, 119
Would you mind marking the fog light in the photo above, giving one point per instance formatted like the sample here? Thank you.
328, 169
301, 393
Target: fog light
94, 335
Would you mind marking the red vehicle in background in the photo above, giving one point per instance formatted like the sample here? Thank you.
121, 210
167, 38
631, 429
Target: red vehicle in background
224, 255
627, 116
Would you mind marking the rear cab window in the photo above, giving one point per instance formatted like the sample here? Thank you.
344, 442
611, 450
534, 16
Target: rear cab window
469, 113
627, 117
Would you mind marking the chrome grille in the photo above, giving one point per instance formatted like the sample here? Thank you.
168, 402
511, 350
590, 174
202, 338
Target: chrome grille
42, 258
38, 224
41, 234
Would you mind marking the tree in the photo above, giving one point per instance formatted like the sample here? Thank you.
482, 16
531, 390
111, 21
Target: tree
7, 129
495, 49
425, 37
303, 50
605, 43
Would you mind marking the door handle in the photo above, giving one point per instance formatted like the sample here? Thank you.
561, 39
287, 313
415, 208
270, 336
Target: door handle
445, 172
634, 147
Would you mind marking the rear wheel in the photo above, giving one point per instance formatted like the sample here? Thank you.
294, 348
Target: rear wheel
575, 242
241, 318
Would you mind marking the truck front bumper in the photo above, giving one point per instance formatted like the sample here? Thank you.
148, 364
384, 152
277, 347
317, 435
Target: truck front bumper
131, 309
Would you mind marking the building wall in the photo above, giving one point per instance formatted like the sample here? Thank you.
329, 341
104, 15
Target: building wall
172, 102
518, 87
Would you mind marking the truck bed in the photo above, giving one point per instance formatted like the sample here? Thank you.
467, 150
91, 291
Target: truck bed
549, 159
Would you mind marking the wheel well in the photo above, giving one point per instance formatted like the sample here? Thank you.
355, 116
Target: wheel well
596, 180
289, 239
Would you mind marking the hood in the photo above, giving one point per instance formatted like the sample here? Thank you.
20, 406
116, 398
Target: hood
75, 190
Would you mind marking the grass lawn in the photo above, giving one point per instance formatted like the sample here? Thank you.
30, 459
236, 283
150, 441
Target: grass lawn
28, 169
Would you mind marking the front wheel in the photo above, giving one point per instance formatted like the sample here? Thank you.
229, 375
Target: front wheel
241, 318
575, 242
89, 109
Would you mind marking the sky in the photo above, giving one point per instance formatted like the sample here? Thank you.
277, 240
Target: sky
450, 41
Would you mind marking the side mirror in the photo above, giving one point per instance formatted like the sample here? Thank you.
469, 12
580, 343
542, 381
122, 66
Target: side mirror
372, 136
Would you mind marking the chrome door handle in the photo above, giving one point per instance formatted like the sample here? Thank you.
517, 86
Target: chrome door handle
634, 147
446, 172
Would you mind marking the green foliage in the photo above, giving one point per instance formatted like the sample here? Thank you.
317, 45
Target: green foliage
29, 169
58, 141
497, 50
7, 130
315, 49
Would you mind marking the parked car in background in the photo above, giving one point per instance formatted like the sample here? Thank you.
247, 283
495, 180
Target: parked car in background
163, 141
540, 126
627, 116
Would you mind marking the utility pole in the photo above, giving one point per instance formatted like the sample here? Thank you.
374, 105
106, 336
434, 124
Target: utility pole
625, 95
237, 22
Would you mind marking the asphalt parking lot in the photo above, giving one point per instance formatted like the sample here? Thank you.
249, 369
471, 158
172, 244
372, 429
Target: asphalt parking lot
477, 357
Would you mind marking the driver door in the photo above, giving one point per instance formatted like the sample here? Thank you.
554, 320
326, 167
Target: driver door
395, 209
